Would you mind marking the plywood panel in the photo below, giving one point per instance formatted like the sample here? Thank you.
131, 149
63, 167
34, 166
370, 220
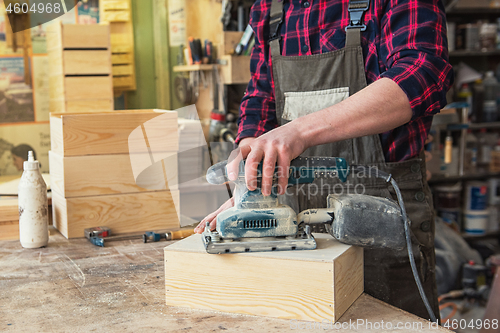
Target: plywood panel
88, 87
75, 134
289, 284
123, 213
87, 62
79, 176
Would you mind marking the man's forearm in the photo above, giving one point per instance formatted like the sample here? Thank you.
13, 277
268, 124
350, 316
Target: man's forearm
380, 107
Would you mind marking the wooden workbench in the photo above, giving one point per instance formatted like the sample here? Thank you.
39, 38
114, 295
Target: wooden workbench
73, 286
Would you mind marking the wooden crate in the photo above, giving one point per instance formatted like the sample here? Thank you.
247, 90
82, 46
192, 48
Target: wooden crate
78, 176
236, 69
117, 13
105, 133
110, 168
77, 36
123, 213
314, 285
79, 67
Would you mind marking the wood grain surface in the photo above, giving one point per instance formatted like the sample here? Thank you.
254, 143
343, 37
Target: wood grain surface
75, 134
284, 284
123, 213
79, 176
79, 62
74, 286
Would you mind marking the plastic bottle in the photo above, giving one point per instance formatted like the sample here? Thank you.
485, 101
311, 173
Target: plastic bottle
33, 206
471, 148
490, 108
484, 153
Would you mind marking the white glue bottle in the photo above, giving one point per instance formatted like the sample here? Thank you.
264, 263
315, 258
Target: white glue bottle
33, 206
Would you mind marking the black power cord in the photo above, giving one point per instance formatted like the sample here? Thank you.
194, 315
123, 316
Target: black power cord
388, 178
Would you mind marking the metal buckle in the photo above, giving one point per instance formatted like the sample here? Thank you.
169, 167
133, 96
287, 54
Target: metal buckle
274, 26
356, 10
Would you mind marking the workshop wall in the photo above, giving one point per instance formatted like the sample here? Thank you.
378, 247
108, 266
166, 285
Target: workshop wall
24, 108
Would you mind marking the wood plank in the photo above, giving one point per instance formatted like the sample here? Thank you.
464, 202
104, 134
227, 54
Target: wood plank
74, 134
9, 210
123, 81
55, 62
88, 87
79, 176
285, 284
56, 87
89, 105
123, 213
87, 62
116, 15
9, 230
122, 49
121, 39
114, 4
118, 59
54, 36
123, 70
88, 36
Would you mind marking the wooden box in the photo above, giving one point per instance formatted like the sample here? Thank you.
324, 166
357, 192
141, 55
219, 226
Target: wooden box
79, 67
9, 219
116, 169
78, 176
311, 285
104, 133
230, 40
123, 213
235, 70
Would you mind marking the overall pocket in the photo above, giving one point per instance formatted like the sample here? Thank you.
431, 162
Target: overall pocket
298, 104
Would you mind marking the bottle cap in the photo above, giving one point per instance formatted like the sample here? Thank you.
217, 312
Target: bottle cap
30, 164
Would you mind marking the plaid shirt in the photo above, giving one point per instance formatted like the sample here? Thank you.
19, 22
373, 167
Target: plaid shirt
405, 41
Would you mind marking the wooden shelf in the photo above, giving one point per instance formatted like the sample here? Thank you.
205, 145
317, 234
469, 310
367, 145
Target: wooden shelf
478, 10
437, 179
192, 68
490, 234
471, 53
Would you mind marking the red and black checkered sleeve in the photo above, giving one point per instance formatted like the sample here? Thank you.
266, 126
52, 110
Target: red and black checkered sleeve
414, 50
257, 109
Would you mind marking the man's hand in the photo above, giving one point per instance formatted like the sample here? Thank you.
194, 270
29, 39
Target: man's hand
212, 218
275, 148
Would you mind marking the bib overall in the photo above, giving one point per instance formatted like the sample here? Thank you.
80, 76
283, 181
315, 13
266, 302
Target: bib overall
306, 84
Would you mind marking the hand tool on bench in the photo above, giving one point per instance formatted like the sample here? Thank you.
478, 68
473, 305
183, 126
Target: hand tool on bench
100, 235
260, 223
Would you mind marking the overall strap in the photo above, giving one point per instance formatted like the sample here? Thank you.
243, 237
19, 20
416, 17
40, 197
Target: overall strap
353, 30
276, 18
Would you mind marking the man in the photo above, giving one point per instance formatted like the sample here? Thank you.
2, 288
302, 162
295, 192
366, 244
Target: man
310, 67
